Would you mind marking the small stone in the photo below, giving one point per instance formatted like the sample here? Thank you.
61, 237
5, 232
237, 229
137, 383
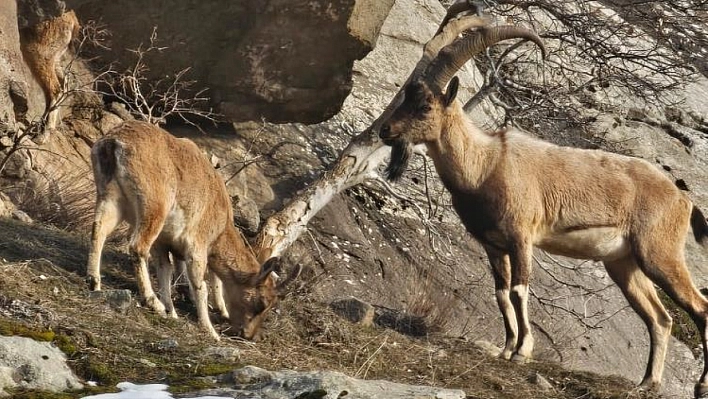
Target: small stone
488, 348
21, 216
229, 355
118, 300
540, 381
5, 141
166, 345
248, 375
147, 363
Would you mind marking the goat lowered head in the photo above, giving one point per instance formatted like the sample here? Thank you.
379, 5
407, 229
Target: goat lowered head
421, 115
258, 294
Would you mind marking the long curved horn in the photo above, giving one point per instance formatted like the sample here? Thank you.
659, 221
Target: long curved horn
451, 26
447, 33
451, 58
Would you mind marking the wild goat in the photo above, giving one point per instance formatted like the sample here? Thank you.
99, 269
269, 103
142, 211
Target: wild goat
42, 47
513, 192
177, 204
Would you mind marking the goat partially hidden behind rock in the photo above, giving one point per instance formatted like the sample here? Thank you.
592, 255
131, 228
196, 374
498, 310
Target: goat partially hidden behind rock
177, 204
42, 47
514, 192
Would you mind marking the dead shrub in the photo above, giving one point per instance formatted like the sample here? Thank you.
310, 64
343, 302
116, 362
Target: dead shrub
63, 199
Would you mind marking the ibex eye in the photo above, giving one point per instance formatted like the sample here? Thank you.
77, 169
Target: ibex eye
426, 108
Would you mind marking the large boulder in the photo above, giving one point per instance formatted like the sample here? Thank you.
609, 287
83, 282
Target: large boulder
284, 60
29, 364
13, 85
251, 380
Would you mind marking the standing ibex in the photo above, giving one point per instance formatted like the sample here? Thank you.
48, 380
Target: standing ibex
42, 47
514, 192
176, 203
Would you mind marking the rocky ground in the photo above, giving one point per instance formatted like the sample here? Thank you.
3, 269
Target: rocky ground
44, 297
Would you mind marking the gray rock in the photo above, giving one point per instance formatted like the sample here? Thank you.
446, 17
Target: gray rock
34, 365
118, 300
8, 379
246, 214
540, 381
248, 375
165, 345
21, 216
355, 310
487, 347
255, 382
6, 206
224, 354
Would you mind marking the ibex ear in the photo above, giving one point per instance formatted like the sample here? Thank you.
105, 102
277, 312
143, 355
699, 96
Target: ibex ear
451, 92
267, 269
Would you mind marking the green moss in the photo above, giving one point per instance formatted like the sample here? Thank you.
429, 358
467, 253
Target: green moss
32, 394
35, 394
10, 328
101, 373
214, 369
65, 344
190, 385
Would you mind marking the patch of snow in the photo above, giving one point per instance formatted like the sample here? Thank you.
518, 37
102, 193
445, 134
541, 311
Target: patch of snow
147, 391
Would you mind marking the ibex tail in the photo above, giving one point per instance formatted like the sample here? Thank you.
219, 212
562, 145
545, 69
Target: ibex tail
699, 225
104, 157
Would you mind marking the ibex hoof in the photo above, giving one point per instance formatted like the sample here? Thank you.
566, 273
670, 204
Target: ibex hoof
649, 386
520, 359
93, 283
157, 306
701, 390
506, 354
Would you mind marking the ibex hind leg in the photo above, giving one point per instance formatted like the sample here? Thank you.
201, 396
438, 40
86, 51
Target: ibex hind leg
667, 268
642, 297
143, 237
106, 218
165, 271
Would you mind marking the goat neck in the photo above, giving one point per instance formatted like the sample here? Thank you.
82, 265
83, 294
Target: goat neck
463, 155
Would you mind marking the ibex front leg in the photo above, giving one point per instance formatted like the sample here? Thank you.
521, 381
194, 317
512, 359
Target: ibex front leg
501, 270
520, 258
196, 270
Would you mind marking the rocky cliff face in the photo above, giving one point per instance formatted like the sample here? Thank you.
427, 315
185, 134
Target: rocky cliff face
285, 61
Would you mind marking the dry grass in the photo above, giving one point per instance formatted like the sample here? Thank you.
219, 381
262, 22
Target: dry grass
61, 199
304, 335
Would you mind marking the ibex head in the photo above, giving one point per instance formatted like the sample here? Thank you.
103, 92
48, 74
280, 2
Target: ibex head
249, 305
425, 106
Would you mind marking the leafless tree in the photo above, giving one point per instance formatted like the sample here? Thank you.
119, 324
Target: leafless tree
154, 100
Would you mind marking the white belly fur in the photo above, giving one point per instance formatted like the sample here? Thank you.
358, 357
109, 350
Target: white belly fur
597, 243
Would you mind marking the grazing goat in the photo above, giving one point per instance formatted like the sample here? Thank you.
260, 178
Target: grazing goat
177, 204
513, 192
42, 47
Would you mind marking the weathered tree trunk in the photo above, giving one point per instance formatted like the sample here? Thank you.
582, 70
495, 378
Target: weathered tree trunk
360, 158
357, 162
